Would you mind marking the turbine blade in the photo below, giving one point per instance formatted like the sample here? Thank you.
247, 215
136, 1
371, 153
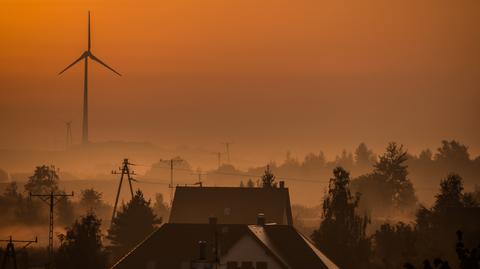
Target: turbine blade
89, 42
76, 61
104, 64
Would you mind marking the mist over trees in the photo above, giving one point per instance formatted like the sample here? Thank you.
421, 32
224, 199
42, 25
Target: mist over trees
161, 208
373, 210
387, 188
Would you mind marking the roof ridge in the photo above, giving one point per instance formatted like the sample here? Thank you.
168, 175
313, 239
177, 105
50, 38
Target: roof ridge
138, 245
268, 245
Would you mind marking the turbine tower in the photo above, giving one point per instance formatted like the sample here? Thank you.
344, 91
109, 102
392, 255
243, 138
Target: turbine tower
85, 56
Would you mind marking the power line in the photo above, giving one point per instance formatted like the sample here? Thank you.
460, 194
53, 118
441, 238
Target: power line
244, 174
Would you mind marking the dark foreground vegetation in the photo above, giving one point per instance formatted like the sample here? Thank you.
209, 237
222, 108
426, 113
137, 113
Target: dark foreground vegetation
372, 220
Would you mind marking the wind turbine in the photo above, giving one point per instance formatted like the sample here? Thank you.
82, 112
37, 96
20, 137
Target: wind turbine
85, 56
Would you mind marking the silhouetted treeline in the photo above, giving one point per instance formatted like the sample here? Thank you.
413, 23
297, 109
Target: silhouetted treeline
342, 231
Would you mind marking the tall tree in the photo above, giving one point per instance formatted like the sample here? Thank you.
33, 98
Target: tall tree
451, 193
450, 212
268, 178
132, 224
392, 168
44, 180
81, 246
342, 233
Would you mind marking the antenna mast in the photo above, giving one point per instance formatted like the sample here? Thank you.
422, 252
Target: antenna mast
199, 174
172, 162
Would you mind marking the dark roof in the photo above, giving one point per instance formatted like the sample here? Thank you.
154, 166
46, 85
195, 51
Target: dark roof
293, 247
231, 205
177, 243
174, 244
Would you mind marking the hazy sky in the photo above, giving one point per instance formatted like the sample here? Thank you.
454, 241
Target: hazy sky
304, 75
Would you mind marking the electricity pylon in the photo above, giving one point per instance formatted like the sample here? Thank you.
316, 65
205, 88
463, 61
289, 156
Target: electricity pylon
10, 251
51, 199
124, 170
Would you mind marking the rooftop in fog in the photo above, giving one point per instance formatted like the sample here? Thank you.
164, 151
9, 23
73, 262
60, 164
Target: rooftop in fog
231, 205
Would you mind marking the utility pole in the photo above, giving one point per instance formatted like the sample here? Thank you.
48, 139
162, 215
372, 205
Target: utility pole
124, 170
51, 199
227, 150
69, 140
172, 162
10, 251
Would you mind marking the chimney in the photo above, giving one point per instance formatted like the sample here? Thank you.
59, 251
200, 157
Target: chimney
212, 221
282, 184
261, 219
202, 247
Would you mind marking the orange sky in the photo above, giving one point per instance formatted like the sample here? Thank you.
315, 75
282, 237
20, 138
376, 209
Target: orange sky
304, 75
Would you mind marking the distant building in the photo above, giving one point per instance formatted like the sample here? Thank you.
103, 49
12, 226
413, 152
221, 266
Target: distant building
225, 246
231, 205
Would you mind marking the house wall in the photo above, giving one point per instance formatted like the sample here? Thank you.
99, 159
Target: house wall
247, 249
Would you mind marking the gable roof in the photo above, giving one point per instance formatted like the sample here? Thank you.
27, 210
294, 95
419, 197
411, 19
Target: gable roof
173, 244
230, 205
294, 248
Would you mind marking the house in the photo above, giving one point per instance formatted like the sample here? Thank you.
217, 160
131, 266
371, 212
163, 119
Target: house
225, 246
231, 205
